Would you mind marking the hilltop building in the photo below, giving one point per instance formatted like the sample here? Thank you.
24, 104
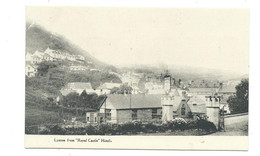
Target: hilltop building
30, 69
131, 79
78, 68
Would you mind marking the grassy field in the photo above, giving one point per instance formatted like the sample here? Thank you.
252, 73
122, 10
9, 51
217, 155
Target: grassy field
36, 116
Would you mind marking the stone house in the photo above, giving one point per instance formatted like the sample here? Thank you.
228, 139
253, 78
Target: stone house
118, 108
224, 92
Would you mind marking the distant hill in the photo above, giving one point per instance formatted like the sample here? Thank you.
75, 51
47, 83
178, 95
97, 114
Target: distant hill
187, 73
38, 38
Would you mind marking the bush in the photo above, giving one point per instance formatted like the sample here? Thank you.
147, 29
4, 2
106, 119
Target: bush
206, 125
150, 128
90, 130
103, 129
57, 130
192, 124
131, 127
31, 130
179, 124
75, 131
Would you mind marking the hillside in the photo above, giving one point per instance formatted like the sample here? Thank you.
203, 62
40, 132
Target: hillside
38, 38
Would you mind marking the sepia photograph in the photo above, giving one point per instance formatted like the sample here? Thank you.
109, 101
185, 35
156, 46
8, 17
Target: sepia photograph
135, 72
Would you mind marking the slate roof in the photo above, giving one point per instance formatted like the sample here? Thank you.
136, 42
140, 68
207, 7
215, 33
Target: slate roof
176, 102
227, 89
28, 63
109, 85
202, 90
78, 85
66, 92
120, 101
200, 106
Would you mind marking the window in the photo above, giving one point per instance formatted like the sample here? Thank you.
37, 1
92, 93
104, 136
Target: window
91, 117
194, 104
134, 114
108, 114
95, 119
101, 119
87, 119
154, 113
183, 110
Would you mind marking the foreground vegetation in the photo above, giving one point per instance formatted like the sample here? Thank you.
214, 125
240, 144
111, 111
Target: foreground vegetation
238, 103
177, 126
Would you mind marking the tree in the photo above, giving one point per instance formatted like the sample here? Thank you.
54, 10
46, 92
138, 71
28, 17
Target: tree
83, 99
239, 102
71, 100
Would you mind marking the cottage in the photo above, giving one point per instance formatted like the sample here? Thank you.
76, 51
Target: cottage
106, 88
131, 79
224, 92
47, 57
197, 105
39, 54
77, 87
181, 106
118, 108
30, 70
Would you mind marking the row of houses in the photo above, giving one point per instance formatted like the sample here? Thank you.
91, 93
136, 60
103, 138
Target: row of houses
79, 87
146, 108
51, 55
160, 107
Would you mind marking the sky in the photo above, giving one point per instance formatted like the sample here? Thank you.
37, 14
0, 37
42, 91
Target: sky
211, 38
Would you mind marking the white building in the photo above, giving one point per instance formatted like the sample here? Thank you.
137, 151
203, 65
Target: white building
77, 87
106, 88
78, 68
30, 70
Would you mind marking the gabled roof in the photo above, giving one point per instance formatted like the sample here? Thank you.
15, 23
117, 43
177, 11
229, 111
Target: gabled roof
109, 85
45, 54
66, 92
36, 56
197, 105
78, 85
227, 89
30, 64
202, 90
176, 102
135, 101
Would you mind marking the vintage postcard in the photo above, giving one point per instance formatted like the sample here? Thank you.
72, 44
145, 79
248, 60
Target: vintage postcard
136, 78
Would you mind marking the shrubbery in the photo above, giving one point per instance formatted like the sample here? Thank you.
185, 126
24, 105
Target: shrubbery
129, 128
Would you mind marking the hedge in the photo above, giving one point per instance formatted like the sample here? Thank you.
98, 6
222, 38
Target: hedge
128, 128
